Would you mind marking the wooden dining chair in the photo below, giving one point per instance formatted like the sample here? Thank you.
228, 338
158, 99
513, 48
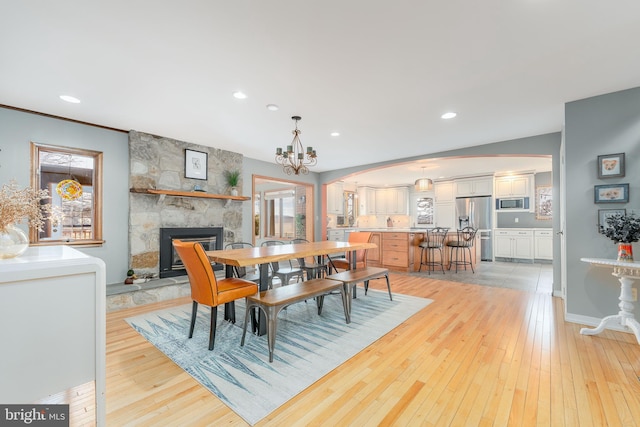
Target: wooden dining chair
205, 288
361, 255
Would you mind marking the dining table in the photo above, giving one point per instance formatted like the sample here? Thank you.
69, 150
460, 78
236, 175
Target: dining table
264, 255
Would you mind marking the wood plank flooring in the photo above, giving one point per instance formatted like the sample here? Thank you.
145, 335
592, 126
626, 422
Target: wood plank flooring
477, 356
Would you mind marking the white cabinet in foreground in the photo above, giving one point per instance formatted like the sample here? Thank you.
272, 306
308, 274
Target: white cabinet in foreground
52, 324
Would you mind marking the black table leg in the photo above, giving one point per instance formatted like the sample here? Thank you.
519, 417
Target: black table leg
353, 267
230, 307
259, 325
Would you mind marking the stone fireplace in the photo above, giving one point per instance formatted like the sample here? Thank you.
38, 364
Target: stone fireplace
159, 163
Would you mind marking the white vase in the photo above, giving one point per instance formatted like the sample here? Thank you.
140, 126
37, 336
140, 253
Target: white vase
234, 191
13, 242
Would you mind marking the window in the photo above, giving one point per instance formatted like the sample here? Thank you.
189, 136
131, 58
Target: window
280, 209
424, 206
350, 207
73, 178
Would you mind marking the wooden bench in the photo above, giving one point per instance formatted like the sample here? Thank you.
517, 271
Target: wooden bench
274, 300
352, 277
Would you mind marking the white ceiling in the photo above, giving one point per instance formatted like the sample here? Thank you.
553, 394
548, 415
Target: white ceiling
380, 73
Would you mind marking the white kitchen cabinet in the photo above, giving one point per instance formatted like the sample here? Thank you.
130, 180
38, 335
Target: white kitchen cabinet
444, 191
392, 201
543, 244
514, 243
335, 199
335, 235
366, 201
514, 186
445, 215
472, 187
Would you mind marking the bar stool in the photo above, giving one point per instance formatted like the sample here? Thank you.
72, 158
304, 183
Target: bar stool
434, 240
463, 243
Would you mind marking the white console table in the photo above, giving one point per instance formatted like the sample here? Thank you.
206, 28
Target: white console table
52, 325
626, 272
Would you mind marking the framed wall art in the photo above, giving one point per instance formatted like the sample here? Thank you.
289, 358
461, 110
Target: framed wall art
195, 164
603, 214
614, 193
543, 202
611, 166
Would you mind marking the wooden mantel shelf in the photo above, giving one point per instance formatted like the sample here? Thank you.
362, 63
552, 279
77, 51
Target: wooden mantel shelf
197, 194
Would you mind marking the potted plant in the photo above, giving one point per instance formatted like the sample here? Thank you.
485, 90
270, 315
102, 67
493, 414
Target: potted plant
623, 230
233, 179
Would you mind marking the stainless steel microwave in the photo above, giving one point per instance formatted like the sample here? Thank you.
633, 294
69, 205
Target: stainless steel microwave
515, 203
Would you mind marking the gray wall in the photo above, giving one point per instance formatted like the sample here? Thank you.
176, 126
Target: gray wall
595, 126
18, 129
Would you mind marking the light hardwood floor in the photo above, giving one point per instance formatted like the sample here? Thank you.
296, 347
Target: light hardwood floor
476, 356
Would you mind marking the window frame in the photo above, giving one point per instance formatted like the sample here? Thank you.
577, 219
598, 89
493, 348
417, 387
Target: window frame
97, 180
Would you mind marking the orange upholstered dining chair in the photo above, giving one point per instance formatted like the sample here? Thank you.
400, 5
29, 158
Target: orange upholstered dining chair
205, 288
361, 255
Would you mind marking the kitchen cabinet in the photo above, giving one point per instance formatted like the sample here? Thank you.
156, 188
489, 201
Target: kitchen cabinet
444, 191
366, 201
514, 186
543, 244
445, 215
335, 199
513, 243
471, 187
335, 235
392, 201
398, 250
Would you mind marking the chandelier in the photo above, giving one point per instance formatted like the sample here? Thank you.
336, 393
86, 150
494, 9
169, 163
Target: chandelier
294, 160
424, 184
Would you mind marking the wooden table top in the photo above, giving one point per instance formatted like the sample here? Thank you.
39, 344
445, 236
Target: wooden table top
263, 254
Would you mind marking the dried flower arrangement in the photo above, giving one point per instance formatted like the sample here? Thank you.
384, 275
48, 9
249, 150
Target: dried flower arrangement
17, 205
622, 228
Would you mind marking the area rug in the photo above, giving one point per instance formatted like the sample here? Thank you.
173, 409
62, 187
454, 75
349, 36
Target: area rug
308, 346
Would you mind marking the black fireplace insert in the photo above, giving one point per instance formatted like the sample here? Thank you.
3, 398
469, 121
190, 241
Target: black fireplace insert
170, 263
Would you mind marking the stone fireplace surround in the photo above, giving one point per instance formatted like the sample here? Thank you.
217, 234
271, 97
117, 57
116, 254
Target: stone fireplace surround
157, 162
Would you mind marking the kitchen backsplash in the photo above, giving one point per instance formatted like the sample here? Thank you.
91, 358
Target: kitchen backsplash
374, 221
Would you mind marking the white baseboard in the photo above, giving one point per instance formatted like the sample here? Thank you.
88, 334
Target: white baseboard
591, 321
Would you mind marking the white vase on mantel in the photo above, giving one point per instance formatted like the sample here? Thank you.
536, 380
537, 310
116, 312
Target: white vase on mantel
234, 191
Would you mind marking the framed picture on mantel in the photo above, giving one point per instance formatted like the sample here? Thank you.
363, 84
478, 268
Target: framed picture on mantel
195, 164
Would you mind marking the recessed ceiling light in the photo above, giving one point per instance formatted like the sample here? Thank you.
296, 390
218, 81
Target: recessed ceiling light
272, 107
449, 115
69, 98
335, 133
239, 95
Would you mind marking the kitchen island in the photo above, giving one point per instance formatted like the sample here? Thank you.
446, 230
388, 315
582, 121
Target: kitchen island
398, 248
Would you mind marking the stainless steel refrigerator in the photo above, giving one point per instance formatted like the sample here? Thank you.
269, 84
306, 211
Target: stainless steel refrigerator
476, 212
